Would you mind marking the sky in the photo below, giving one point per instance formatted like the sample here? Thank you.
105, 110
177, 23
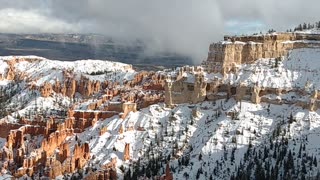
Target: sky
185, 27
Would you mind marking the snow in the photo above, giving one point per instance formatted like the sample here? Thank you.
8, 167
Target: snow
45, 70
298, 69
309, 31
216, 129
209, 134
2, 142
5, 176
3, 66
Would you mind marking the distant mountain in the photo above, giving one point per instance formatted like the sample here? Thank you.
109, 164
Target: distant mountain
90, 46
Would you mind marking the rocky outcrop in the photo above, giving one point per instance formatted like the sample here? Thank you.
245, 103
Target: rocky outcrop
169, 175
127, 108
177, 91
11, 72
121, 130
103, 130
70, 86
53, 153
226, 55
109, 171
86, 87
150, 99
126, 152
56, 166
183, 90
189, 86
255, 98
46, 89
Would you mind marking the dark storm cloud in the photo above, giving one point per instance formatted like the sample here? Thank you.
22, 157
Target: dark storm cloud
182, 26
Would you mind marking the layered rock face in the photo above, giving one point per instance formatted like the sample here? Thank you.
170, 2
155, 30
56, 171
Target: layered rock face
30, 155
46, 89
189, 84
182, 89
226, 55
70, 86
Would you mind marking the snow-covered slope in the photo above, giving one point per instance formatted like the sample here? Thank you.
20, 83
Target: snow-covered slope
221, 139
21, 100
299, 68
208, 136
45, 70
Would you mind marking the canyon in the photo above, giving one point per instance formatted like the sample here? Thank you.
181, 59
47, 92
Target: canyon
94, 119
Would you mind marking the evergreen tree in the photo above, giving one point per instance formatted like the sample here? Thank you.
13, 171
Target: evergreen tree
299, 153
259, 172
304, 26
198, 173
127, 175
200, 157
232, 155
303, 167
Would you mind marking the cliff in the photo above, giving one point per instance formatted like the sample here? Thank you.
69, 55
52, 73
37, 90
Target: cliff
188, 86
254, 68
224, 56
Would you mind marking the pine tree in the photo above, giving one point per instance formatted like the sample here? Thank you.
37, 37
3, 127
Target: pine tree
198, 173
127, 175
299, 153
259, 172
232, 155
304, 26
276, 62
290, 162
303, 169
211, 178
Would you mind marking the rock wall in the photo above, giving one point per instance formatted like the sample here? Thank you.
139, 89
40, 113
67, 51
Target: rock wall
127, 108
70, 86
46, 89
45, 154
109, 171
5, 128
126, 152
181, 90
179, 93
224, 56
11, 70
86, 87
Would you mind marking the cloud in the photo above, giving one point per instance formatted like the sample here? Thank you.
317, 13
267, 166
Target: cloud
14, 21
244, 27
184, 27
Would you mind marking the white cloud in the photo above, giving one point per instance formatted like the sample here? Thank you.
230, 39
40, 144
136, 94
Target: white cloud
17, 21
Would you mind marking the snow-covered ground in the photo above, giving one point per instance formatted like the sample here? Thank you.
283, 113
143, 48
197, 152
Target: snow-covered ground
209, 139
298, 70
39, 70
211, 132
43, 70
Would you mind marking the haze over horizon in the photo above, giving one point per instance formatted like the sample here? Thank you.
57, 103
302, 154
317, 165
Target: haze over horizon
184, 27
